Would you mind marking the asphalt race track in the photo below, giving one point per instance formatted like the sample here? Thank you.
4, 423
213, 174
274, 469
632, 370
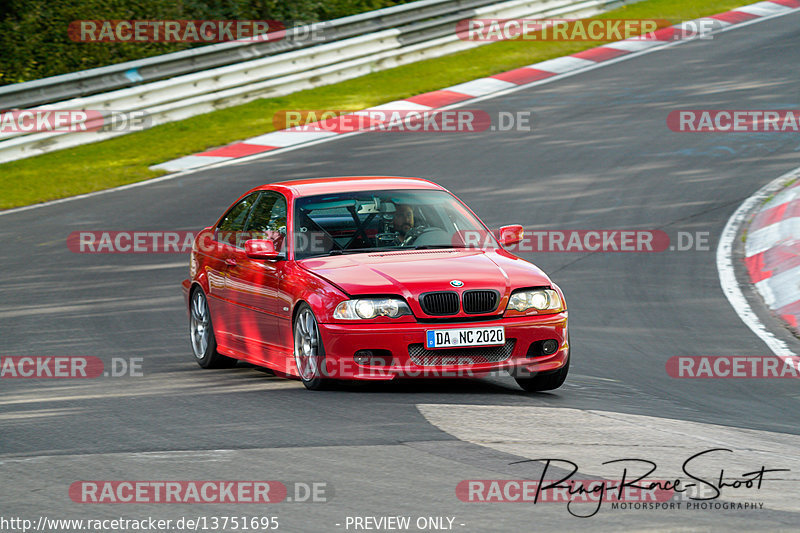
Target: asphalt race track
600, 157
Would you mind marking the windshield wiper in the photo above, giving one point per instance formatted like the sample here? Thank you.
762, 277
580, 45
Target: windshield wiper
341, 251
373, 249
430, 246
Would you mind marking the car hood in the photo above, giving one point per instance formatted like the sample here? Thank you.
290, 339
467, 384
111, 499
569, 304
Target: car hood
410, 273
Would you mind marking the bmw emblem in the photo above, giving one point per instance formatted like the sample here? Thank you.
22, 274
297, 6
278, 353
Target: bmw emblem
457, 283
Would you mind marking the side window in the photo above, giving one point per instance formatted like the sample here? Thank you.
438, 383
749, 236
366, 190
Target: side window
233, 222
268, 220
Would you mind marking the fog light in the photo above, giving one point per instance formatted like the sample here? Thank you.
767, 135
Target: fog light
549, 346
362, 357
374, 357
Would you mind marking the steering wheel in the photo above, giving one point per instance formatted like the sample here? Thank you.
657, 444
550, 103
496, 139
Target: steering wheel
415, 234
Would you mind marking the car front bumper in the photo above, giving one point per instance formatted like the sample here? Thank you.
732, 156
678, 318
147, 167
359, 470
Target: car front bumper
401, 352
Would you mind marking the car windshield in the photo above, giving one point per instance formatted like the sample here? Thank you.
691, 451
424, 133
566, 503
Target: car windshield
368, 221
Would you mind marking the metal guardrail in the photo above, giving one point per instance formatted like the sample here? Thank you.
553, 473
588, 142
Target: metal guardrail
184, 96
132, 73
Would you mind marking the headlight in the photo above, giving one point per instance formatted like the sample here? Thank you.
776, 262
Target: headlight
539, 299
366, 308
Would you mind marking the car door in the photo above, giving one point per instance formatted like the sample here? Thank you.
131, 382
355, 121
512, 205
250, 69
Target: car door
251, 285
226, 235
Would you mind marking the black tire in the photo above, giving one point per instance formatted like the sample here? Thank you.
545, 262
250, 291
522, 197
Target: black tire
205, 351
544, 381
310, 367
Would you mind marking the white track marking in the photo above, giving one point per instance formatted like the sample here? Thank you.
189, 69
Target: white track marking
191, 161
288, 137
762, 9
632, 45
564, 64
400, 105
481, 86
727, 276
780, 290
765, 238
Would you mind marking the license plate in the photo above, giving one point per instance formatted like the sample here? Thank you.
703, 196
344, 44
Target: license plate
452, 338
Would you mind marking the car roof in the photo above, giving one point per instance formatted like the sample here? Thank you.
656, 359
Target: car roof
314, 186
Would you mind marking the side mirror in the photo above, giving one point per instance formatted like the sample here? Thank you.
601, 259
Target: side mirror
511, 234
260, 249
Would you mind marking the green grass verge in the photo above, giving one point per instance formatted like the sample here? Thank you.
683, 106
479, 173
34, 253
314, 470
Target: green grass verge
126, 159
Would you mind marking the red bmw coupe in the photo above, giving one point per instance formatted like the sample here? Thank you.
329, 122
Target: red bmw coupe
371, 278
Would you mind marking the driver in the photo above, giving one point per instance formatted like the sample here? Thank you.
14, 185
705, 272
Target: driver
403, 220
